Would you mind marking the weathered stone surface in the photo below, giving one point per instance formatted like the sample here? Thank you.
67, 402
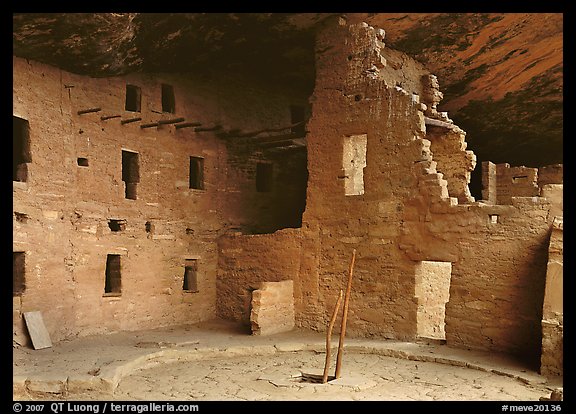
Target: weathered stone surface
272, 308
552, 359
67, 237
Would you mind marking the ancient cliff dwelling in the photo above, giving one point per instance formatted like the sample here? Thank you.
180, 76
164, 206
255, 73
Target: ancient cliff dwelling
189, 191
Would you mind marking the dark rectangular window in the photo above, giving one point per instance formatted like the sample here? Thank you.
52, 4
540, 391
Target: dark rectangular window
133, 98
168, 100
197, 173
190, 283
264, 177
117, 224
296, 116
130, 173
20, 149
113, 282
18, 273
82, 162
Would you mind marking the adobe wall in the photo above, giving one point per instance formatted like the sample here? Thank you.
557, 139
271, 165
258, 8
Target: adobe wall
244, 261
413, 206
410, 208
553, 313
62, 211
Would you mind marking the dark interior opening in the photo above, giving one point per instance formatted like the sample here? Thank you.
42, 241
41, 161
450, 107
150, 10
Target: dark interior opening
18, 273
82, 162
149, 227
20, 149
190, 282
133, 98
117, 224
475, 185
168, 100
297, 115
264, 177
130, 173
196, 173
21, 217
113, 275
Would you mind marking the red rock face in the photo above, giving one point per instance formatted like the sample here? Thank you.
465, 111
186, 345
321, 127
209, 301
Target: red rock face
501, 73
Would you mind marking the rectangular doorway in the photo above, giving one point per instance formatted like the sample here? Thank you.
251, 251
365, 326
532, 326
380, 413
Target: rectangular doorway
113, 282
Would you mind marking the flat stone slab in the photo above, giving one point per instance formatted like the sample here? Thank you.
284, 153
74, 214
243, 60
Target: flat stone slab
37, 330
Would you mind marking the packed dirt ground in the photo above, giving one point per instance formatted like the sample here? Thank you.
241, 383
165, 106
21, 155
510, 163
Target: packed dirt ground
217, 361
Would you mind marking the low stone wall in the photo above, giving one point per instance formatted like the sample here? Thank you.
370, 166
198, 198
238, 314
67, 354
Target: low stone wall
272, 308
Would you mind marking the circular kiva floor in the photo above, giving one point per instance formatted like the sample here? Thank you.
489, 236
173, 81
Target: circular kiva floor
279, 377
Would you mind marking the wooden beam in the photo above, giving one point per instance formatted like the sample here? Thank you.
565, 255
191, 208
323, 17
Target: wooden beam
153, 124
128, 121
107, 117
171, 121
187, 125
87, 111
437, 123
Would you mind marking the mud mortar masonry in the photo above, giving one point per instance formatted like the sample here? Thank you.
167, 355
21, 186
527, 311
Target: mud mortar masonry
159, 199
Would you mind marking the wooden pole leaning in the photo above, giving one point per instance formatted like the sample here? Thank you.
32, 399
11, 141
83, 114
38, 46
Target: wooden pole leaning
344, 317
329, 337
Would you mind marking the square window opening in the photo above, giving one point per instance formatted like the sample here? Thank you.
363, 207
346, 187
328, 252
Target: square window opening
82, 162
113, 282
133, 98
196, 173
117, 224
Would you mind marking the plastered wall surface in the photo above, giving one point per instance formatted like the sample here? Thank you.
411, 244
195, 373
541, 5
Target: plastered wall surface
62, 211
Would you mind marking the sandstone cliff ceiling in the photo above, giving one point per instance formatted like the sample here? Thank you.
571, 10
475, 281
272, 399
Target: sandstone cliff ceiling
501, 73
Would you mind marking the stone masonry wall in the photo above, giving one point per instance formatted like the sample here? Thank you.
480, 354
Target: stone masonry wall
62, 212
272, 308
406, 213
433, 292
398, 213
552, 361
244, 261
515, 182
448, 147
358, 93
500, 182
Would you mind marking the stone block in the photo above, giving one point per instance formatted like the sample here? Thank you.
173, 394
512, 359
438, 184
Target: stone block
273, 308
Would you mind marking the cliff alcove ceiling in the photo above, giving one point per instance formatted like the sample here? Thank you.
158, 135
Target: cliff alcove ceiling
501, 73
